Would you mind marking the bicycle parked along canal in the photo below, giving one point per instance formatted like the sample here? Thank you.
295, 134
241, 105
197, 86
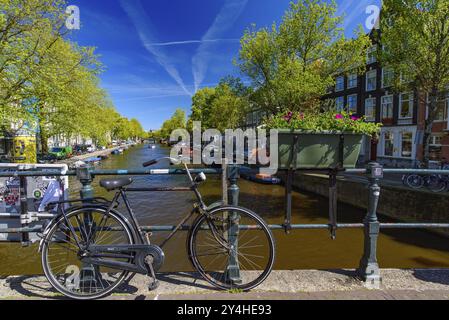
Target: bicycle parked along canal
90, 249
433, 182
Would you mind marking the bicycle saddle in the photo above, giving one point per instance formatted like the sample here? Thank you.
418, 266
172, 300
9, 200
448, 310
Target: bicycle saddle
112, 184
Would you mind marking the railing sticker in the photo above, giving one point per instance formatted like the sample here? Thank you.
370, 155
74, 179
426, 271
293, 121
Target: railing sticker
160, 171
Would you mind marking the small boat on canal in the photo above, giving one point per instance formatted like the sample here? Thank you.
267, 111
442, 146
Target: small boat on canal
254, 176
117, 151
92, 160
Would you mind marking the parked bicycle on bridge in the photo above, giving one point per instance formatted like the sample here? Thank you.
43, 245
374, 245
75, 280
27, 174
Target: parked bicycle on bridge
90, 249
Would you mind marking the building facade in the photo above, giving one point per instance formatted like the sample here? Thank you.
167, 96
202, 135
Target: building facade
402, 116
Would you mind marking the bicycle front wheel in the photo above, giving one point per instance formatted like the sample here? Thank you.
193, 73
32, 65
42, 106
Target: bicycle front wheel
436, 184
232, 248
61, 256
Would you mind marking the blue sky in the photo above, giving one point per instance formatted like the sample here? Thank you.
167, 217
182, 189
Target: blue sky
157, 53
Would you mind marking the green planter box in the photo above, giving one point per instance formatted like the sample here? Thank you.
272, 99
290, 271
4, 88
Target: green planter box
317, 150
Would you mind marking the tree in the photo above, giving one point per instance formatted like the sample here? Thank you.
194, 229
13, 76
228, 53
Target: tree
28, 31
177, 121
292, 65
415, 38
222, 107
201, 108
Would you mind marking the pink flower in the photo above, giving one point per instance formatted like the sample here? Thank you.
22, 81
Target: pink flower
354, 118
338, 116
288, 116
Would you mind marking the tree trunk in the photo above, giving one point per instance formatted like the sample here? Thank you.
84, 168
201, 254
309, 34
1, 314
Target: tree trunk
43, 139
428, 125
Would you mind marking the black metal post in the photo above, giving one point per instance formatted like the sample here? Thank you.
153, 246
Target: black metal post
333, 203
24, 210
288, 201
233, 271
369, 268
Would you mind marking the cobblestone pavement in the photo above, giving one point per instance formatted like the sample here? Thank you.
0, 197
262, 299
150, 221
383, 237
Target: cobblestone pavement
286, 285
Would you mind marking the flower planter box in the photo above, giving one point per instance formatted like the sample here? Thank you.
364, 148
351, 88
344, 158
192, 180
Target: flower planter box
317, 150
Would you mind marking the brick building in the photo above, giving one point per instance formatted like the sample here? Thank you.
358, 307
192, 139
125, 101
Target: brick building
402, 115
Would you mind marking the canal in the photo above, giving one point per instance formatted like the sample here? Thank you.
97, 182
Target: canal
302, 249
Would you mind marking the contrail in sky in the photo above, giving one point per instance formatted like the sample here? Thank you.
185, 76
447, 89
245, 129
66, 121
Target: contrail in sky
137, 14
227, 16
175, 43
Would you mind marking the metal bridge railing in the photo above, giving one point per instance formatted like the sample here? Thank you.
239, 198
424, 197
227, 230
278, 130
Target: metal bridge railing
368, 269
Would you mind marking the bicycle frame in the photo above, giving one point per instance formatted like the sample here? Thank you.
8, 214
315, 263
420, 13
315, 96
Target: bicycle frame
140, 249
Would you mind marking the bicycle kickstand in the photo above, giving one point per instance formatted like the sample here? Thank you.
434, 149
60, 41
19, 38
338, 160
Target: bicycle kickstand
154, 284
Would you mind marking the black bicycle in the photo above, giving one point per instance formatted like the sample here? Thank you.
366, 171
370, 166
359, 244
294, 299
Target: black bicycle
90, 249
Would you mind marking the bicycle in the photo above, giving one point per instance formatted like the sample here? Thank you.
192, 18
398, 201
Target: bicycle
434, 182
90, 249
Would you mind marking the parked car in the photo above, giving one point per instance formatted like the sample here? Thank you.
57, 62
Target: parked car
79, 149
91, 148
61, 152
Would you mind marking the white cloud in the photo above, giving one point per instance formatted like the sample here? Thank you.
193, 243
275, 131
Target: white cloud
228, 14
140, 19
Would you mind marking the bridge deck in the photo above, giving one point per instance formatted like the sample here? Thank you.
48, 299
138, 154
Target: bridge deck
297, 284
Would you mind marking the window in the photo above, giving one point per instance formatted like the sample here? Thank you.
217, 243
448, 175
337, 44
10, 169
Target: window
406, 142
352, 81
340, 103
387, 107
370, 109
388, 144
340, 84
442, 110
436, 140
387, 77
352, 103
371, 80
406, 105
371, 55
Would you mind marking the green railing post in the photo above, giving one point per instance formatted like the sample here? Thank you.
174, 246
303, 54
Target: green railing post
233, 271
85, 177
89, 273
369, 268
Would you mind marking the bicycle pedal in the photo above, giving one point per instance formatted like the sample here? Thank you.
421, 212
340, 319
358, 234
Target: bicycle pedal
153, 285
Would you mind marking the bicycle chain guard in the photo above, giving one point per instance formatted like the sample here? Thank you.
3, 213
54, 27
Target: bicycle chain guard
157, 255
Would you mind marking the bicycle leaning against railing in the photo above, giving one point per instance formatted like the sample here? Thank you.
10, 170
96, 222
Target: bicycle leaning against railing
433, 182
90, 249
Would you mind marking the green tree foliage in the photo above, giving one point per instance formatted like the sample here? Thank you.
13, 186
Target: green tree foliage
28, 31
51, 83
415, 38
222, 107
177, 121
291, 65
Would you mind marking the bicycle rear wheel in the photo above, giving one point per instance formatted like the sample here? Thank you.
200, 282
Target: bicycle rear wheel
61, 254
232, 248
415, 181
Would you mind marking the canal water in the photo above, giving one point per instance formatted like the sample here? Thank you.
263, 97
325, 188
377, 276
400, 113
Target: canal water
302, 249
